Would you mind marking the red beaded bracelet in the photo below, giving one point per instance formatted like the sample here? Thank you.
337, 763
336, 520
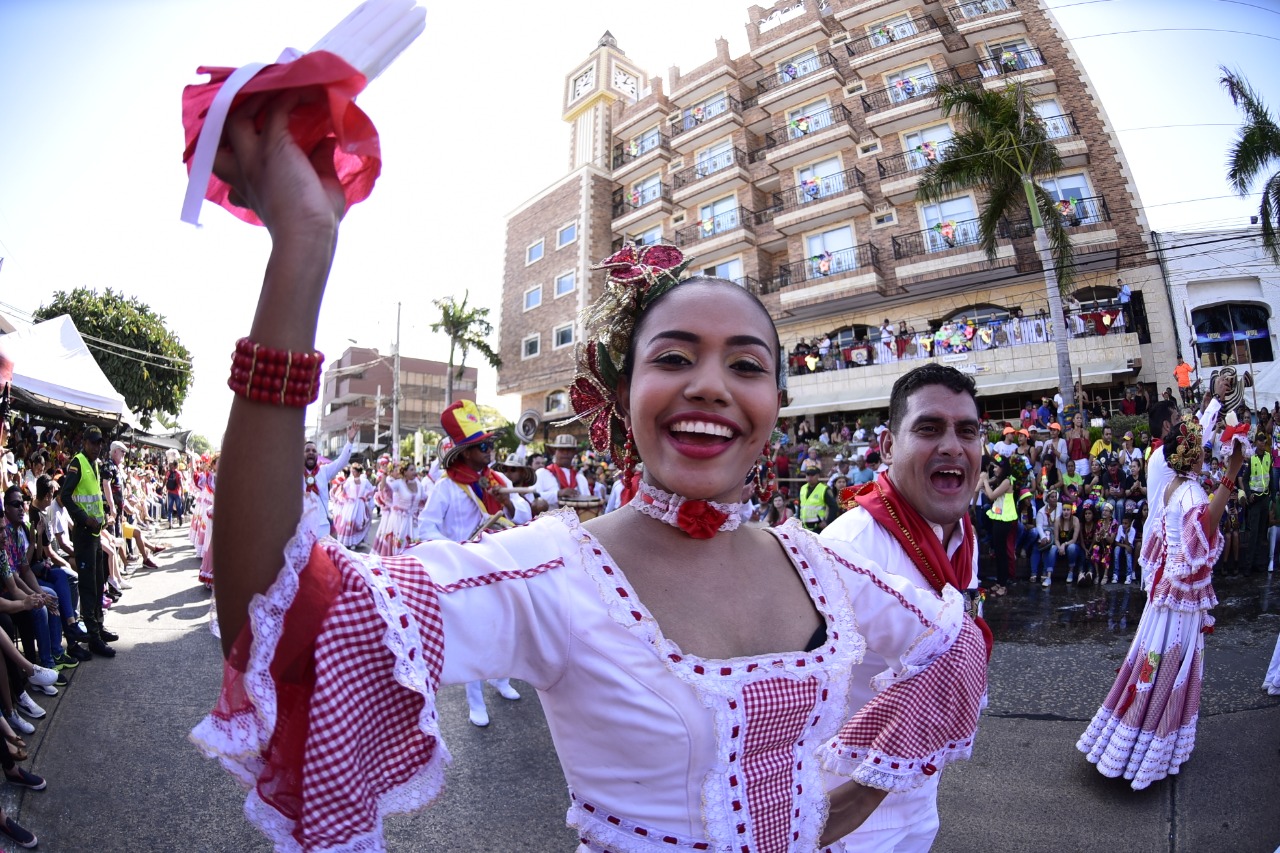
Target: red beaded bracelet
278, 377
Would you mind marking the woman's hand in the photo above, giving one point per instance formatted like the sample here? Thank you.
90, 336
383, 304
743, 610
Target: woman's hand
850, 805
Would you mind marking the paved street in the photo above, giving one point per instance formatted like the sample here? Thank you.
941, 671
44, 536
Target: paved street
123, 777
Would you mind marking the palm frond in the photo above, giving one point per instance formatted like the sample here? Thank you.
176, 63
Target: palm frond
1055, 229
1257, 143
1269, 212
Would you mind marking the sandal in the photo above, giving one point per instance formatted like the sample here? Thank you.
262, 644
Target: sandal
15, 740
17, 753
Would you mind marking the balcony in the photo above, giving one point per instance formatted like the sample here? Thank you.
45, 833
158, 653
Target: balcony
1066, 136
995, 19
639, 152
1076, 213
807, 137
894, 44
794, 83
899, 105
818, 201
899, 173
942, 237
828, 282
641, 206
697, 122
711, 175
729, 229
1027, 64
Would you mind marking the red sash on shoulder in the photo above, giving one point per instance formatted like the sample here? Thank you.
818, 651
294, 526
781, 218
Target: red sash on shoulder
917, 538
564, 476
478, 481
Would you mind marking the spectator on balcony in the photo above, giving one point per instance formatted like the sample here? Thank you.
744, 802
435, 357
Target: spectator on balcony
1182, 373
824, 437
905, 334
841, 470
887, 333
863, 473
1008, 442
1044, 414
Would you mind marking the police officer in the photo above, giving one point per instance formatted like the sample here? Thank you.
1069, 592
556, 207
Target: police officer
818, 506
83, 485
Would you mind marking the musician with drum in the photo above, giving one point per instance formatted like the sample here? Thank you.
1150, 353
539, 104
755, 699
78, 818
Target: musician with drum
469, 499
558, 481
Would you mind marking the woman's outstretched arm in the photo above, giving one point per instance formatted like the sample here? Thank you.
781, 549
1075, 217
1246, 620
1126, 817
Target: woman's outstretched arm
300, 201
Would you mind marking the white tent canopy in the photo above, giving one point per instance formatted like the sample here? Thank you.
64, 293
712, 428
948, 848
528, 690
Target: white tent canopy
55, 374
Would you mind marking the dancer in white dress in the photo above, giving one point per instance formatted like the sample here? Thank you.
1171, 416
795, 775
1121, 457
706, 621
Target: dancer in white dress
1146, 727
400, 495
351, 523
694, 671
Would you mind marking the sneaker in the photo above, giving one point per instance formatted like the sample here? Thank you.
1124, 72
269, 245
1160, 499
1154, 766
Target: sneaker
61, 682
505, 690
48, 690
1128, 581
42, 676
150, 563
18, 724
79, 652
109, 636
25, 779
1071, 577
479, 717
1047, 580
100, 648
75, 631
65, 661
124, 584
28, 706
21, 836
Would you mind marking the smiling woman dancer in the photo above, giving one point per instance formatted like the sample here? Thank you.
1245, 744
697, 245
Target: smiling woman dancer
694, 672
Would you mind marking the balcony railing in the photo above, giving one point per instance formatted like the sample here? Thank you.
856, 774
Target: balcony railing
637, 148
800, 127
1010, 62
825, 265
638, 197
1060, 126
948, 234
709, 165
815, 189
906, 89
793, 71
968, 11
960, 337
705, 229
706, 111
887, 34
913, 160
1076, 212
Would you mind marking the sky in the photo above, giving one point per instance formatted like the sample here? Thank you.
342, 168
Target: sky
91, 178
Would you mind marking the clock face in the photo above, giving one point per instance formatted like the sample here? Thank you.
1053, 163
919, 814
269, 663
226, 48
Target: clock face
624, 82
584, 81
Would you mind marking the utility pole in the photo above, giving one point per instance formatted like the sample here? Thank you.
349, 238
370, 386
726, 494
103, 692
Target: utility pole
377, 416
395, 392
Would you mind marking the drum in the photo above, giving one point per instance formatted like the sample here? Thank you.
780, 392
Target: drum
586, 508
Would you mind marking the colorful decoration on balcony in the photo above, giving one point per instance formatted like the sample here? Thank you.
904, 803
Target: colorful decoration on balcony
634, 148
810, 188
984, 335
927, 150
1067, 206
635, 198
823, 261
885, 33
708, 225
791, 71
1009, 60
947, 230
907, 86
800, 124
698, 113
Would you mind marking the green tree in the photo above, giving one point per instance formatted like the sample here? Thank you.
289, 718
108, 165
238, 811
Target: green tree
1255, 151
144, 361
199, 444
1000, 150
467, 329
493, 420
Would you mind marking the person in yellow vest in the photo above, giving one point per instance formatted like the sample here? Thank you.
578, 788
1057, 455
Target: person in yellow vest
818, 506
997, 485
83, 487
1257, 487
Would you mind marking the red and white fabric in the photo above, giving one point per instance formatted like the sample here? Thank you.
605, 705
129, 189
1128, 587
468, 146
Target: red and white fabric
1146, 727
354, 512
728, 752
395, 533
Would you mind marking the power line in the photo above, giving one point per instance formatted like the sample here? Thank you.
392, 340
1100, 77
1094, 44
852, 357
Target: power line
175, 367
1174, 30
179, 361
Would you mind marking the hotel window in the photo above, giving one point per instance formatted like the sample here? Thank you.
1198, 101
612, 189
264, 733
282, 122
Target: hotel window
949, 224
831, 252
730, 270
706, 110
923, 147
566, 235
533, 253
820, 179
890, 30
799, 65
648, 238
566, 283
557, 401
562, 336
533, 297
1009, 56
909, 82
1075, 200
531, 346
643, 192
645, 142
719, 216
809, 119
715, 158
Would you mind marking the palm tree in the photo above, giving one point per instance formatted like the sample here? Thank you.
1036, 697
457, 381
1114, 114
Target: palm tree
1257, 148
1000, 149
467, 329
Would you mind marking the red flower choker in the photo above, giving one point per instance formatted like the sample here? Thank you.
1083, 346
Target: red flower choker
699, 519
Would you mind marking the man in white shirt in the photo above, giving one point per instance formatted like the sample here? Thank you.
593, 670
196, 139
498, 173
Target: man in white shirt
841, 470
934, 452
1045, 556
559, 480
315, 481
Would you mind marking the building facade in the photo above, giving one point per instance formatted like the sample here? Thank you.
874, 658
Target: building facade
1223, 285
357, 389
792, 170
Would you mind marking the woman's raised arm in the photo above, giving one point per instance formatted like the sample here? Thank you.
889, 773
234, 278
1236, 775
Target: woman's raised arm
300, 201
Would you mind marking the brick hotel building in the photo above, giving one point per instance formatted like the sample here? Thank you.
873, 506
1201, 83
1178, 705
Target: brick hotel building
792, 170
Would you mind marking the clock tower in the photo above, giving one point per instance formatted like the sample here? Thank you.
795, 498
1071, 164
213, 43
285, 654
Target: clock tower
590, 89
